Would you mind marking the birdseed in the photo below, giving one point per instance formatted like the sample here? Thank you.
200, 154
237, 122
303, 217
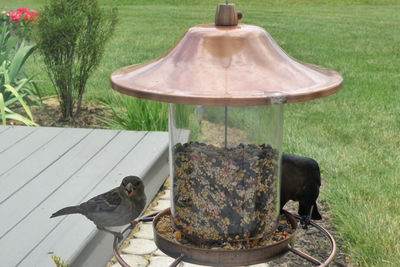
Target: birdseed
283, 231
225, 194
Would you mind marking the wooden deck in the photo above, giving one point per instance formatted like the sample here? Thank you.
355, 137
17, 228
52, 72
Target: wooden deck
44, 169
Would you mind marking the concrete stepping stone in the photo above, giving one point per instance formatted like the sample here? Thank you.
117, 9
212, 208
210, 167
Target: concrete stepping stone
145, 231
140, 247
187, 264
162, 205
160, 253
132, 260
167, 195
158, 261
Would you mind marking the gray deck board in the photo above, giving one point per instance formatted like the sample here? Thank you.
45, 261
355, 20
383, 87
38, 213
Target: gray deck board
9, 138
51, 179
26, 147
30, 168
84, 185
86, 163
132, 163
4, 128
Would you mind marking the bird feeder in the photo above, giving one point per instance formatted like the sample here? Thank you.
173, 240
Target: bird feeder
226, 84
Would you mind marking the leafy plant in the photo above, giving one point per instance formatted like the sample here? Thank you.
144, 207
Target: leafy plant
58, 261
137, 114
21, 22
15, 89
71, 38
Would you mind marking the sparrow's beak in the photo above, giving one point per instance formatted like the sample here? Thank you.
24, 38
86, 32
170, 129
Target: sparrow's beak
129, 189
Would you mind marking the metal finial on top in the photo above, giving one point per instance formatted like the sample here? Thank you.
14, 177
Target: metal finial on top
226, 15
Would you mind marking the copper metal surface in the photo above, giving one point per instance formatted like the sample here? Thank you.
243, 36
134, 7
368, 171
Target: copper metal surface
226, 15
230, 65
116, 241
214, 257
181, 256
311, 259
145, 218
201, 241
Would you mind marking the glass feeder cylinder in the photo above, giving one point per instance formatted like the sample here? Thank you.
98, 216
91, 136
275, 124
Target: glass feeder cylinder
225, 169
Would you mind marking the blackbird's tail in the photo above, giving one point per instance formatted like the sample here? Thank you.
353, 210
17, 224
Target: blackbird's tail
67, 210
315, 215
305, 210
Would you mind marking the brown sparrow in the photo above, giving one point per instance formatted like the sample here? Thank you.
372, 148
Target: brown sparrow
116, 207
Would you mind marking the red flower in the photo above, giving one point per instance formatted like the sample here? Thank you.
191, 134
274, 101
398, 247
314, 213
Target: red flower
31, 15
27, 16
15, 15
22, 9
34, 14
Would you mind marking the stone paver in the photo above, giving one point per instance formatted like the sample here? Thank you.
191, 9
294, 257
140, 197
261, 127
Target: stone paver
158, 261
159, 253
162, 204
140, 247
145, 232
260, 265
167, 195
187, 264
133, 261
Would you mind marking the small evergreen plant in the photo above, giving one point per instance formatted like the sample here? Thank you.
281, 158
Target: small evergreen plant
71, 38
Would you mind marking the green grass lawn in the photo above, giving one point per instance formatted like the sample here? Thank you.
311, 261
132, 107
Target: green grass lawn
354, 134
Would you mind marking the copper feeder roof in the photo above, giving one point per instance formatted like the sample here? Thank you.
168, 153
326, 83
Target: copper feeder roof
239, 65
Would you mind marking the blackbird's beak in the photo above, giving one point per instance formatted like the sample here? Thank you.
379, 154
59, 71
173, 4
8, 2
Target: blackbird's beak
129, 189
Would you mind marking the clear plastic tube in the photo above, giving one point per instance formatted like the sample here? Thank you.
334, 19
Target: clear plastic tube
225, 169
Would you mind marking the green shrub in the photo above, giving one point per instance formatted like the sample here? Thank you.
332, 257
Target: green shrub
71, 38
15, 89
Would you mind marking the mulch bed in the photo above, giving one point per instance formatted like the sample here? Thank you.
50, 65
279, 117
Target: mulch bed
49, 115
313, 242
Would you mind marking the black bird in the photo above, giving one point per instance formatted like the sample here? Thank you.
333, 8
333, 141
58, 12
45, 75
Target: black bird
300, 181
116, 207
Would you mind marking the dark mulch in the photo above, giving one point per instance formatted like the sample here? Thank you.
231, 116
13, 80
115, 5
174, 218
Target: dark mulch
313, 242
49, 115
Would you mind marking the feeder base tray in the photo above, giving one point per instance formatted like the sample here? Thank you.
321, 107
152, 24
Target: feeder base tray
222, 257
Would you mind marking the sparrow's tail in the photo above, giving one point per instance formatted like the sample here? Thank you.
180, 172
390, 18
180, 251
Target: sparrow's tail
67, 210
